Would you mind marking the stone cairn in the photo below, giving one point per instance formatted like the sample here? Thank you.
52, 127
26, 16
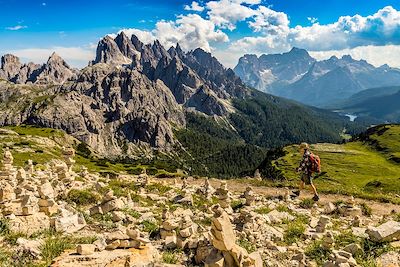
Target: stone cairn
350, 208
328, 240
187, 231
257, 175
124, 238
225, 250
112, 204
167, 231
206, 190
178, 232
143, 179
28, 198
224, 196
68, 154
249, 196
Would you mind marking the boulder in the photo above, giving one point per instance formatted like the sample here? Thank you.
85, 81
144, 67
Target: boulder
115, 204
389, 231
277, 217
30, 224
46, 191
32, 247
68, 222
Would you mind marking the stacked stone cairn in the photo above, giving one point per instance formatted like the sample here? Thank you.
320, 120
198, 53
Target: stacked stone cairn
224, 197
206, 190
28, 198
226, 252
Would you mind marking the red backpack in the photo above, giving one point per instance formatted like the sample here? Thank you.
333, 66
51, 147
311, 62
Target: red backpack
315, 163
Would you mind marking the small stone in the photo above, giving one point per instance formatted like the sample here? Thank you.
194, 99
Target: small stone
329, 208
85, 249
170, 242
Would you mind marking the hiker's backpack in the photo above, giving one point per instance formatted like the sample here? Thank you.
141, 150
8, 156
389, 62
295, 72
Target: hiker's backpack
315, 163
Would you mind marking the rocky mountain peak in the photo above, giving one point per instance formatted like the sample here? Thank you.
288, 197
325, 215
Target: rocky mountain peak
57, 61
299, 52
176, 51
109, 52
56, 70
126, 46
136, 43
10, 66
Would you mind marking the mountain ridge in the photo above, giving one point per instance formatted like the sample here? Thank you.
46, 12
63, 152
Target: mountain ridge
310, 79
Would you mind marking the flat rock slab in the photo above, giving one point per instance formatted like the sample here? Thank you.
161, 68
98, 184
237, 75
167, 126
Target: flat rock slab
389, 231
145, 256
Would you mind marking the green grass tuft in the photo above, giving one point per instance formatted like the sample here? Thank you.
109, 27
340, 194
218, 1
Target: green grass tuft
307, 203
294, 232
316, 252
82, 197
246, 244
170, 256
263, 210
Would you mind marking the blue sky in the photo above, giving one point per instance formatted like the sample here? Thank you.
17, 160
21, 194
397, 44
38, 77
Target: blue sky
228, 28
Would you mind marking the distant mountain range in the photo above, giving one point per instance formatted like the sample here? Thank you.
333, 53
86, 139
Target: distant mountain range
298, 76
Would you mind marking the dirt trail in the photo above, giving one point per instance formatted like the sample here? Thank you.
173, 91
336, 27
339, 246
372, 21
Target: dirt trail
378, 208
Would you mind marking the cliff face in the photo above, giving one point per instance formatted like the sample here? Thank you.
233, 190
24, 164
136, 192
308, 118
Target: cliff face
131, 96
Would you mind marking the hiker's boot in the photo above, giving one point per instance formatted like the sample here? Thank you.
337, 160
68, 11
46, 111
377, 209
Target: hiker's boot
315, 198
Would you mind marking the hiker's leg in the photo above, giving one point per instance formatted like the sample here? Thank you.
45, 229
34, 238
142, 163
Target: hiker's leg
314, 189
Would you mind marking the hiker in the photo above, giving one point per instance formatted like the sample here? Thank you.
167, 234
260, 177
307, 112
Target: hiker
310, 163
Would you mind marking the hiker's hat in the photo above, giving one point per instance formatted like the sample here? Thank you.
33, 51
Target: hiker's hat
304, 146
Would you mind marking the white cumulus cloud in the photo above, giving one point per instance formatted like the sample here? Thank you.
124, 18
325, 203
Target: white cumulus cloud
375, 37
194, 7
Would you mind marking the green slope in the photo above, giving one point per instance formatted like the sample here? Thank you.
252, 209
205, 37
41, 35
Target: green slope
236, 145
367, 167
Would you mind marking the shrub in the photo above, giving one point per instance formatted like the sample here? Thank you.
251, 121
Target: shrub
82, 197
133, 213
83, 150
121, 188
345, 238
4, 226
158, 188
282, 208
5, 257
55, 245
11, 237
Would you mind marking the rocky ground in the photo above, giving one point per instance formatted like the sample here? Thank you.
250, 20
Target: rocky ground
53, 215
